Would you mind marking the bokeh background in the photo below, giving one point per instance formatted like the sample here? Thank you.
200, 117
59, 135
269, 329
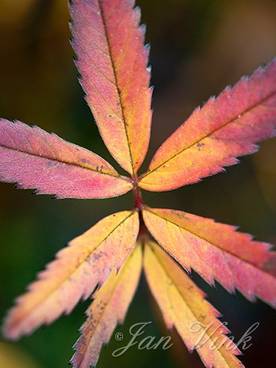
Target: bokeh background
198, 47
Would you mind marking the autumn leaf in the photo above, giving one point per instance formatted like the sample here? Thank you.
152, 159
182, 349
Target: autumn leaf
216, 251
75, 273
38, 160
108, 308
105, 262
224, 128
183, 306
112, 61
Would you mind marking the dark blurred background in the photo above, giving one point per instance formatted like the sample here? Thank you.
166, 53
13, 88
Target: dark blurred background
198, 47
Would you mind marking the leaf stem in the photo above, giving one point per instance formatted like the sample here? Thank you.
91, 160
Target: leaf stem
138, 200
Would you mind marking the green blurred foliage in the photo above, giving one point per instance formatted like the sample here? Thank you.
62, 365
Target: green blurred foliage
13, 357
198, 46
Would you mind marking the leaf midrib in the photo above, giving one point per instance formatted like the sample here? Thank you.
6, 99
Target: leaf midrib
102, 15
78, 165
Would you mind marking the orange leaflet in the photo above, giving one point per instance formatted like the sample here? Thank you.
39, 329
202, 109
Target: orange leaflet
112, 61
109, 307
224, 128
38, 160
183, 306
216, 251
75, 273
